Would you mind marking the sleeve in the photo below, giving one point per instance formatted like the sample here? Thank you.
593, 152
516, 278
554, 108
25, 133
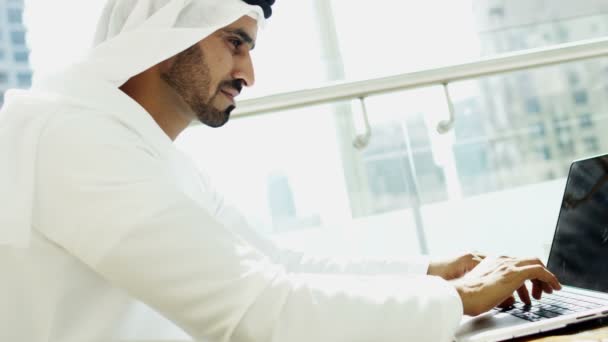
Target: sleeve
106, 199
299, 262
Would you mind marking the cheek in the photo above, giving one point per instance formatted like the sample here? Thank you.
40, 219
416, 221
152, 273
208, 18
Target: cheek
220, 67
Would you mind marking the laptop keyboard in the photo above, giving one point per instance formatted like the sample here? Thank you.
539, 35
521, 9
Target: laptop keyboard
553, 305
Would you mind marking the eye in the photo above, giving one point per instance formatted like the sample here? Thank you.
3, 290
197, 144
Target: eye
235, 42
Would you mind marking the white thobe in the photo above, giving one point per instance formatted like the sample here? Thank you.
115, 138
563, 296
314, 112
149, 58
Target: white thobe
120, 216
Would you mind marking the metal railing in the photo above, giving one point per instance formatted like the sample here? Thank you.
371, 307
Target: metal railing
444, 75
528, 59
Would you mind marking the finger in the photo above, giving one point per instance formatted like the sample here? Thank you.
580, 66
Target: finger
537, 289
537, 272
530, 261
524, 295
507, 302
471, 261
478, 255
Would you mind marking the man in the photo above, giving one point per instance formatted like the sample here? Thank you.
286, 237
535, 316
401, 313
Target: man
99, 209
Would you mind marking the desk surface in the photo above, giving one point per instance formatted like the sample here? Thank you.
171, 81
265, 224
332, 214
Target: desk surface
591, 331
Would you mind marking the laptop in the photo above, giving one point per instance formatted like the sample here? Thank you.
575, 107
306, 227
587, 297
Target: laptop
578, 257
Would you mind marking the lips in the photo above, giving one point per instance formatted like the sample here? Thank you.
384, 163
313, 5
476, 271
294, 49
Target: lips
230, 92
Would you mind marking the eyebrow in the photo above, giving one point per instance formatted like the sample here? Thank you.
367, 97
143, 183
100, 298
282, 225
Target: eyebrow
243, 35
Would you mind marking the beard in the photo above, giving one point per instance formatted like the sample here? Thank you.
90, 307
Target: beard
190, 78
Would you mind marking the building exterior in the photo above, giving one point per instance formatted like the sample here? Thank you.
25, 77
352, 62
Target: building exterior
531, 124
15, 71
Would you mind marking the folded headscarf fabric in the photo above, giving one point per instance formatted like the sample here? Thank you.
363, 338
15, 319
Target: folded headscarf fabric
265, 4
132, 36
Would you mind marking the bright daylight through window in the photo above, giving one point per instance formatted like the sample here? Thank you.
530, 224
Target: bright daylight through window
514, 133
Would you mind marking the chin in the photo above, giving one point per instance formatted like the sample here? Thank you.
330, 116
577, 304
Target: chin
216, 124
215, 119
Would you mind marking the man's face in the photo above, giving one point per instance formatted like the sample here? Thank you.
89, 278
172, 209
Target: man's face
209, 75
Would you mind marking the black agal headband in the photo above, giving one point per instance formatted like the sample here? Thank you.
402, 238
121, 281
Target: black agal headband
265, 4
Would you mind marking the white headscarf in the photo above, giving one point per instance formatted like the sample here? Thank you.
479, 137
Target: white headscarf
132, 36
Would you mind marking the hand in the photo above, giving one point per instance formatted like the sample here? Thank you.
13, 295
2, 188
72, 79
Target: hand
495, 280
455, 267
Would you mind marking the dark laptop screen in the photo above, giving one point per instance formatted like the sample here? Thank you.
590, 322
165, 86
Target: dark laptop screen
579, 254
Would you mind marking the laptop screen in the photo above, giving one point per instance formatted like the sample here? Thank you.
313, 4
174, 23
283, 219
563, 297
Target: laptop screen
579, 253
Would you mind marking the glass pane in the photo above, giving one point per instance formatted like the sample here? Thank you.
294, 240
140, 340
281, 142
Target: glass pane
493, 182
15, 15
24, 79
21, 56
506, 26
68, 38
515, 136
288, 53
18, 38
390, 37
287, 172
401, 123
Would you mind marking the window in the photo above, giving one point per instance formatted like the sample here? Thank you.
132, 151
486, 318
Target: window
24, 80
585, 120
539, 129
497, 12
2, 54
504, 145
573, 78
565, 139
594, 28
415, 43
3, 77
15, 16
533, 106
21, 56
563, 34
545, 153
388, 187
591, 144
580, 97
18, 37
563, 130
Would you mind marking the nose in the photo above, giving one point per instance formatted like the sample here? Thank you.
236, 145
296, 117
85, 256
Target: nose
243, 70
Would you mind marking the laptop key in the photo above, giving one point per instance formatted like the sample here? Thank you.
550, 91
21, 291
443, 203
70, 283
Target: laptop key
528, 316
561, 311
547, 314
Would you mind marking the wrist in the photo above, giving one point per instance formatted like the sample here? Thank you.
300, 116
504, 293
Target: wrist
470, 305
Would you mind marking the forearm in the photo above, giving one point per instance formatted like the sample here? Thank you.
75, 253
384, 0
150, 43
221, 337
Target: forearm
345, 308
299, 262
264, 303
